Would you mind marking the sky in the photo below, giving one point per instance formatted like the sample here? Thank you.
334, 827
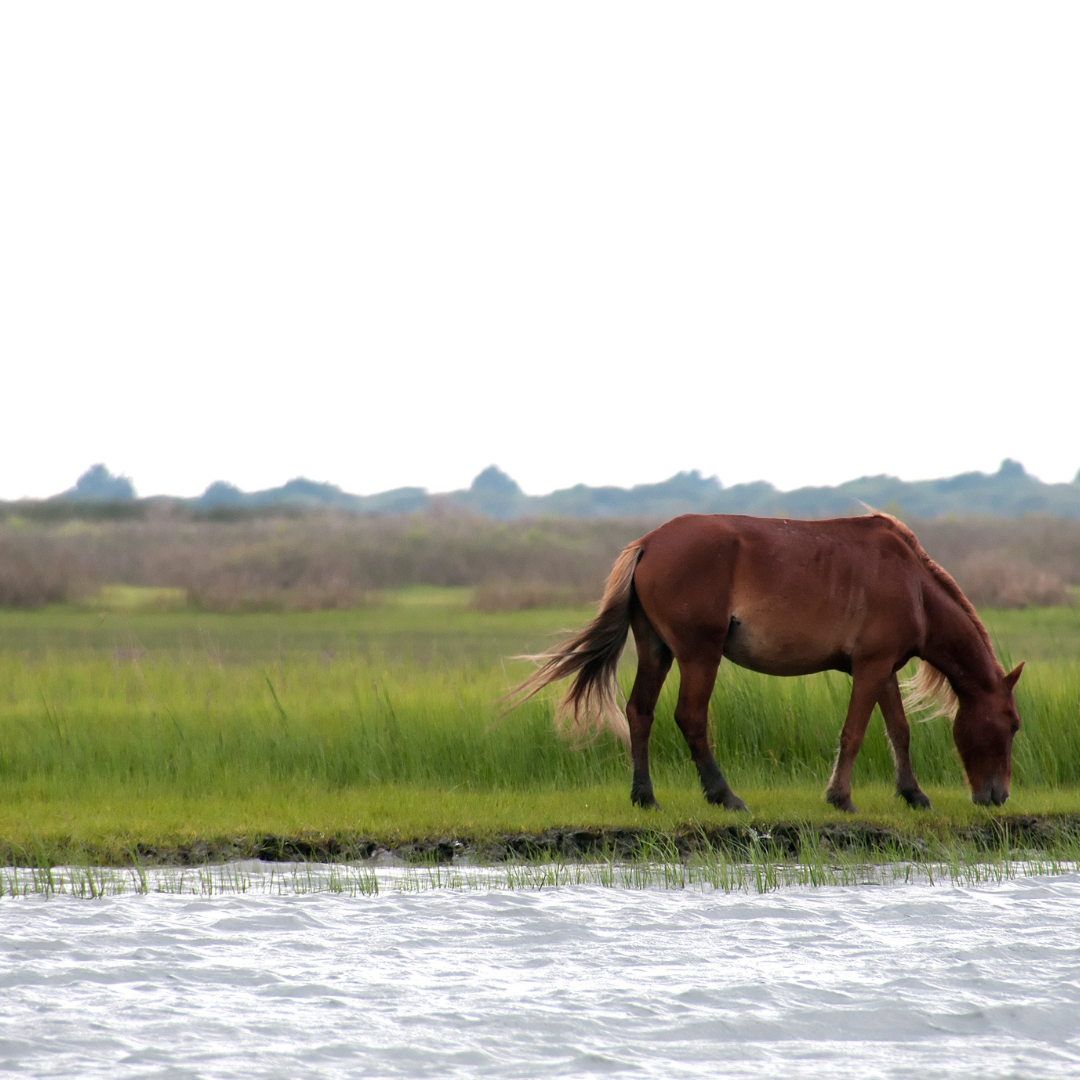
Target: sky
391, 244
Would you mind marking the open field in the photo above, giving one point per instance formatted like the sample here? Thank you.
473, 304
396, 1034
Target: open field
128, 727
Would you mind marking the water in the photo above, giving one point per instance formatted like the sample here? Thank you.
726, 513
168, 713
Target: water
910, 980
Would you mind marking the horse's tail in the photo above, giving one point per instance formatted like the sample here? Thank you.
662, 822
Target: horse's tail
592, 656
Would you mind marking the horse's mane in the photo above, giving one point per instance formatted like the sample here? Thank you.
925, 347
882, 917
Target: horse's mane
928, 688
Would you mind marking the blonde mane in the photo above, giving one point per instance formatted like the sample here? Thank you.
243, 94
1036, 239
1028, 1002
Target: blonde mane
928, 690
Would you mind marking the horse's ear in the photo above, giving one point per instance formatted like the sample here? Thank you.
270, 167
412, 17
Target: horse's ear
1014, 676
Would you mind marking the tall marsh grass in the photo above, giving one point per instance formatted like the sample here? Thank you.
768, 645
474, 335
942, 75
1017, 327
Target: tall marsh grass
410, 695
712, 869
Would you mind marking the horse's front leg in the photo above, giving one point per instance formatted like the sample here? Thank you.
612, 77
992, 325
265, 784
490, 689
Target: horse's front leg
867, 685
892, 708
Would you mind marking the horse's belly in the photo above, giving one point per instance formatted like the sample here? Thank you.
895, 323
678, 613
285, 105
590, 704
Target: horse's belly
776, 652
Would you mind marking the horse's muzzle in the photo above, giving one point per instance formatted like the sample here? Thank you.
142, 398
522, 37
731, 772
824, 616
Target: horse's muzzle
991, 792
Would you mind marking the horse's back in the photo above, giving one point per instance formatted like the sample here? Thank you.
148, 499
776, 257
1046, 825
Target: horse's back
781, 596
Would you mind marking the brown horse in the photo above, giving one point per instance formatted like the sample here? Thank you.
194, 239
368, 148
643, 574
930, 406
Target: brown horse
789, 598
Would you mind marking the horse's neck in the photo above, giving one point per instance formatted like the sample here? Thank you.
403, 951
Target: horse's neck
956, 648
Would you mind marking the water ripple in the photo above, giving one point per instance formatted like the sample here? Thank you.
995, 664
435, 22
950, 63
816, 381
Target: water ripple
576, 981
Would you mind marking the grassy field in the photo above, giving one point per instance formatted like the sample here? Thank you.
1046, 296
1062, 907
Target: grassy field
121, 726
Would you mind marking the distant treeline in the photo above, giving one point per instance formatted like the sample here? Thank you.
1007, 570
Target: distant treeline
340, 560
1010, 492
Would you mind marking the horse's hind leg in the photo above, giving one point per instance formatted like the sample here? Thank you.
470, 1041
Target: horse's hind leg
892, 708
698, 676
654, 662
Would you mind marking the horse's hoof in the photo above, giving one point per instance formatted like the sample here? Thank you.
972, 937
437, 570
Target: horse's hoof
728, 800
841, 802
646, 802
917, 800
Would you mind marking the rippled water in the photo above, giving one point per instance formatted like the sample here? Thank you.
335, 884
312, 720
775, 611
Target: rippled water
575, 981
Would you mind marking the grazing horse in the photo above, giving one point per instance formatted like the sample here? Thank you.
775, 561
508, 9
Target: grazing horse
790, 598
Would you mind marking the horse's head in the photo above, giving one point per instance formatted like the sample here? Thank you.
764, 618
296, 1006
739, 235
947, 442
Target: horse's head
983, 731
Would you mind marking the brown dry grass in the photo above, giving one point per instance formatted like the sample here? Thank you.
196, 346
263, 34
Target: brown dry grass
318, 561
1008, 563
334, 560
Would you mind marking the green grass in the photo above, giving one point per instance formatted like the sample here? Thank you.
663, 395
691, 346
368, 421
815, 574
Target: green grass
1035, 634
126, 726
115, 819
134, 598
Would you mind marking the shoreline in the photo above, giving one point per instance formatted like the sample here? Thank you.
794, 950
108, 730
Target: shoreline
776, 841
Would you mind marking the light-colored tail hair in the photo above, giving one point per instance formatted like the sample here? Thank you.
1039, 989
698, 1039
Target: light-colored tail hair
592, 656
929, 691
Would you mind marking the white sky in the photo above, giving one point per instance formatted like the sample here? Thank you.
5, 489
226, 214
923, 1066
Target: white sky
386, 244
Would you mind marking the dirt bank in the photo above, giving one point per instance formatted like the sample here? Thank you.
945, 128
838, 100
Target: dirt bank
793, 840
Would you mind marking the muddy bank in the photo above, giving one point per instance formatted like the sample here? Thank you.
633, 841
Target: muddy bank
789, 841
779, 840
